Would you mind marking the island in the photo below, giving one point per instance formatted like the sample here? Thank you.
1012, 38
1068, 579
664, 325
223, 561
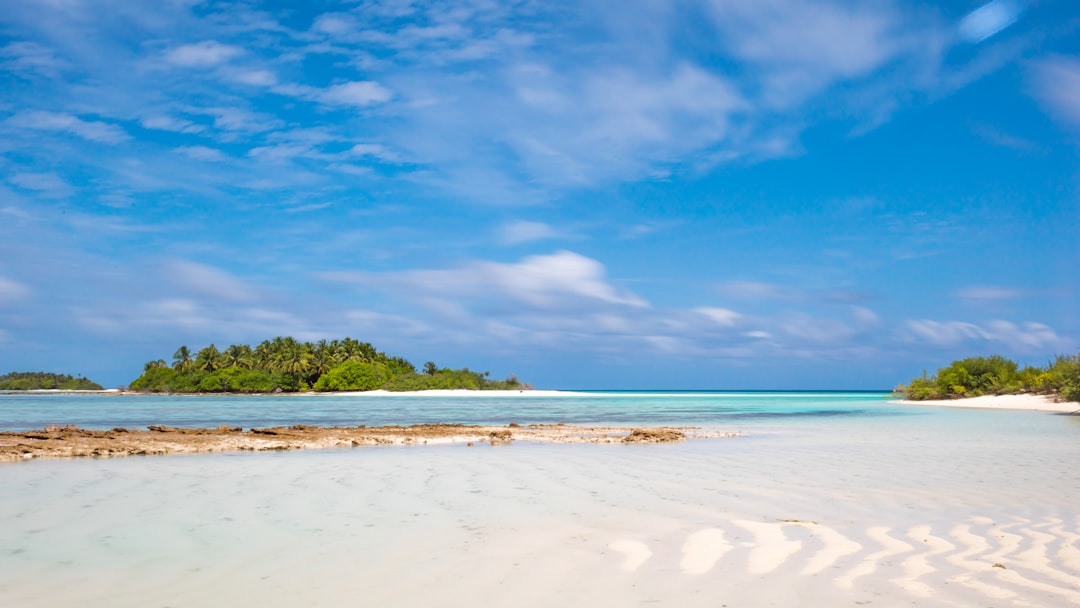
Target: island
46, 381
976, 379
284, 364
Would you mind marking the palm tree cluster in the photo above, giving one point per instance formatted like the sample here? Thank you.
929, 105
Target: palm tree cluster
306, 361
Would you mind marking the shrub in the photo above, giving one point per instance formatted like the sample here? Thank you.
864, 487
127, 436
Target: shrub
353, 376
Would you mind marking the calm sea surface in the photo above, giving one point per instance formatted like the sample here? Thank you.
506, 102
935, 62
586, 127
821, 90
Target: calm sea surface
23, 412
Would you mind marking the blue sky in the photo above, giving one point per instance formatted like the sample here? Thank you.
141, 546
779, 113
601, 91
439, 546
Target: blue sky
714, 194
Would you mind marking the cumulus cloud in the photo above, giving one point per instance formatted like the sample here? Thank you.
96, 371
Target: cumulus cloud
96, 131
560, 281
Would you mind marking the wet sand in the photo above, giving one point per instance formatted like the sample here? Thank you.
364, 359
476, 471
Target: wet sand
72, 442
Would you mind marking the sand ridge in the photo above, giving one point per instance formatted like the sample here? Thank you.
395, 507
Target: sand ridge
70, 441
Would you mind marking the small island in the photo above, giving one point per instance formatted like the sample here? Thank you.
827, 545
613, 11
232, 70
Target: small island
46, 381
287, 365
996, 375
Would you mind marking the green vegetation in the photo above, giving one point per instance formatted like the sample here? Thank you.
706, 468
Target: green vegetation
288, 365
997, 375
35, 381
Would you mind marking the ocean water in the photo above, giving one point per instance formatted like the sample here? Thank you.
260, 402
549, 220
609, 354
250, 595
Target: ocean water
830, 500
24, 412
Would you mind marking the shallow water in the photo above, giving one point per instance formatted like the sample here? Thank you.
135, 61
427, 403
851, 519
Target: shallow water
24, 412
913, 508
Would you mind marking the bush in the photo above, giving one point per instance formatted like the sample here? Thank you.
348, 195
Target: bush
354, 376
997, 375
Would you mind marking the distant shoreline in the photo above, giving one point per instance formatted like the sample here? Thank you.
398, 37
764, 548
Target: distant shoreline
1024, 402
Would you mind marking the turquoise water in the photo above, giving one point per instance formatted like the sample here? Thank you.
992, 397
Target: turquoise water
24, 412
830, 499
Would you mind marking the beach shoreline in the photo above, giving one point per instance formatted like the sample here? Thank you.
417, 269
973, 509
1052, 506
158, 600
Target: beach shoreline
1025, 402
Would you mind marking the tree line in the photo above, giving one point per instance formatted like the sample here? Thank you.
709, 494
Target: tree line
996, 375
284, 364
36, 381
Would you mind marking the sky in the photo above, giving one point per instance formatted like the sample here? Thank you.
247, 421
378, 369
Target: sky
714, 194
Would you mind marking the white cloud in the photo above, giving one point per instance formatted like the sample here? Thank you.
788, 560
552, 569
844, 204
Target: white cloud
202, 153
97, 131
46, 184
721, 316
30, 58
255, 78
561, 281
755, 290
801, 48
169, 123
378, 151
1057, 85
516, 233
359, 94
204, 54
11, 290
209, 281
1029, 337
989, 19
989, 292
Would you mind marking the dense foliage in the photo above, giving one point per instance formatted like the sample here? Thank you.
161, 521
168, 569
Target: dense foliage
997, 375
289, 365
34, 381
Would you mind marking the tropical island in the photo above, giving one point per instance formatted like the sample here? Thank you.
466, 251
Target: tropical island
997, 375
46, 381
284, 364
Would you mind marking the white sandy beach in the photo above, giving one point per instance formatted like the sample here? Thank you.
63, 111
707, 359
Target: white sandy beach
897, 513
1035, 403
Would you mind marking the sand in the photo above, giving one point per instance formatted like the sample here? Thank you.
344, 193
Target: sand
1036, 403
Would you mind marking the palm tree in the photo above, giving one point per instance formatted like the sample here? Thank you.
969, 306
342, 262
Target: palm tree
160, 363
208, 359
237, 355
322, 360
182, 359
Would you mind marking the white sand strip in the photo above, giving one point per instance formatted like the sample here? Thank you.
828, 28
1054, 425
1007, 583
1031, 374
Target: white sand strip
635, 553
771, 547
1068, 554
835, 546
917, 566
702, 550
450, 393
1035, 403
976, 545
879, 534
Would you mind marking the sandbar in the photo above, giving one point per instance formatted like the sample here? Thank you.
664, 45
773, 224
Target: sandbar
1035, 403
70, 441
